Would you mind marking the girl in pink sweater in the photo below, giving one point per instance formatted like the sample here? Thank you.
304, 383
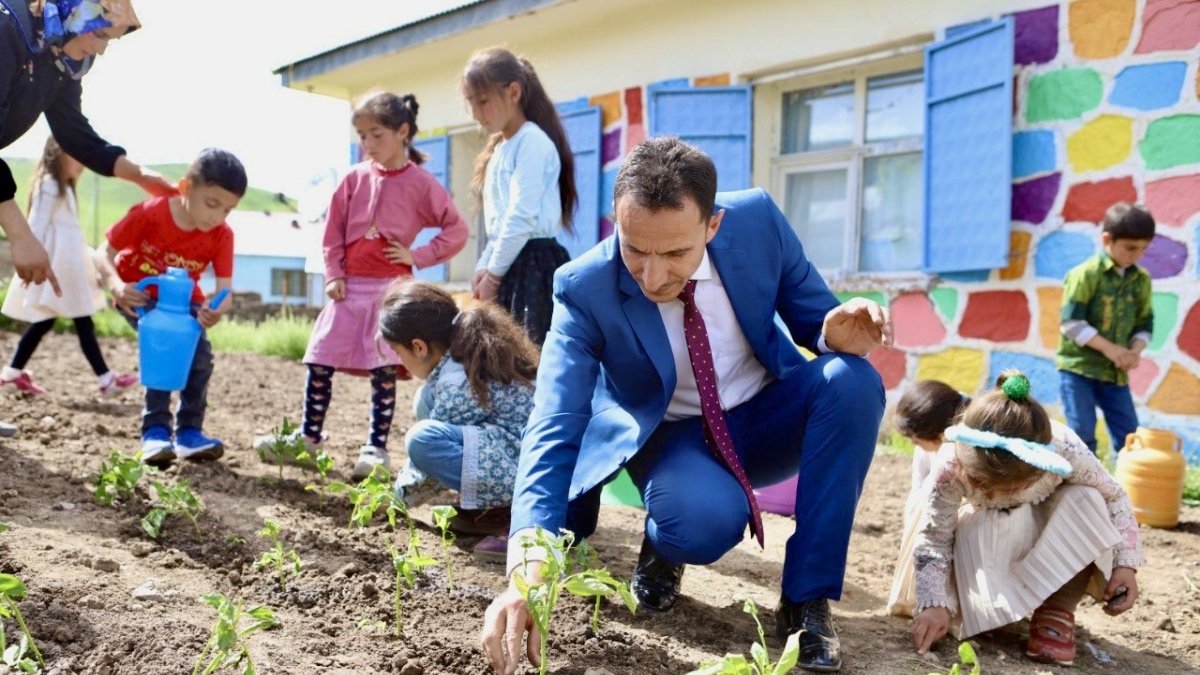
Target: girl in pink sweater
374, 217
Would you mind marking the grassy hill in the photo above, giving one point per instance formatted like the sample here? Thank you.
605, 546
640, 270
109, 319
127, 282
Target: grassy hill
116, 196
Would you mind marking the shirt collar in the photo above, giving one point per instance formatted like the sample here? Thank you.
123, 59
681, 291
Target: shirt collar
705, 271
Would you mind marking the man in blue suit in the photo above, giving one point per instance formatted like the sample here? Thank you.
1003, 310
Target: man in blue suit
664, 357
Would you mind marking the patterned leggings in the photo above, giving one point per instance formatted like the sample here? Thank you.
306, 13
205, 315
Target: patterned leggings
318, 390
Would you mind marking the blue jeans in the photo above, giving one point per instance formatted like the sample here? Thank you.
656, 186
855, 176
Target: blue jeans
1081, 395
193, 400
821, 422
435, 449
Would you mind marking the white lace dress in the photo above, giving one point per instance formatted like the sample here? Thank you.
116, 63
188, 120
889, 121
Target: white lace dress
54, 221
991, 562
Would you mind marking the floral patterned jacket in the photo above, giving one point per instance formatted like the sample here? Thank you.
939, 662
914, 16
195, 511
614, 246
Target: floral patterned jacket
933, 552
491, 435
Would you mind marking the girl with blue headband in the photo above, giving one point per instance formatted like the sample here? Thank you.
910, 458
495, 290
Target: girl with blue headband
1019, 518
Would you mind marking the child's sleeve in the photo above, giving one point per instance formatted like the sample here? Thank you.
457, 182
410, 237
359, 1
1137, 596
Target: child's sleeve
1087, 470
1078, 289
334, 242
223, 260
1143, 329
527, 187
439, 208
453, 403
129, 230
933, 551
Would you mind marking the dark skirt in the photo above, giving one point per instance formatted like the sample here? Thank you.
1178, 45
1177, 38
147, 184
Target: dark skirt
527, 289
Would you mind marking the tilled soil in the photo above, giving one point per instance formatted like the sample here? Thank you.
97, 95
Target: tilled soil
105, 599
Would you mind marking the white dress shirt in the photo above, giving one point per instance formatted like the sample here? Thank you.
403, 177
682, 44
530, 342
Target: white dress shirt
739, 374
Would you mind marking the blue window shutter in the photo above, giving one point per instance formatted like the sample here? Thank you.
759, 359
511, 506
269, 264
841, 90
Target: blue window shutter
714, 119
968, 149
582, 124
437, 162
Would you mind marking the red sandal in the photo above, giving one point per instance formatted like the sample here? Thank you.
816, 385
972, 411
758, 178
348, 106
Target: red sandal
1052, 636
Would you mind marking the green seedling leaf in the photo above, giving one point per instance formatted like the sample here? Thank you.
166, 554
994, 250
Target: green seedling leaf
790, 656
285, 560
12, 588
442, 515
226, 646
118, 478
3, 528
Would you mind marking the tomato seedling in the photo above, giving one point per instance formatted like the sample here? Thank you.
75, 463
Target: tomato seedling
284, 560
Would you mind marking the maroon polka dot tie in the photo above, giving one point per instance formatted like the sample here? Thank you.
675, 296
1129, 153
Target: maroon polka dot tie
716, 431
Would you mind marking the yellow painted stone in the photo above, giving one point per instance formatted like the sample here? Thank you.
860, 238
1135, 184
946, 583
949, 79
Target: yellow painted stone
721, 80
610, 107
958, 367
1179, 393
1049, 315
1101, 28
1018, 253
1101, 143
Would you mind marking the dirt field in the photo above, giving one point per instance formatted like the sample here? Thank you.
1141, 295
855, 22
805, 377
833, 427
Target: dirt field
106, 599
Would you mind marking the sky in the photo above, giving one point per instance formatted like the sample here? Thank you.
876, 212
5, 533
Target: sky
199, 74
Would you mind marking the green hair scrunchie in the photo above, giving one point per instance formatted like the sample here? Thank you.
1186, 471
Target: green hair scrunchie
1016, 387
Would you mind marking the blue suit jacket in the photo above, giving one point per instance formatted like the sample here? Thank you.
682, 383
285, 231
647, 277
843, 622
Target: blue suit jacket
607, 373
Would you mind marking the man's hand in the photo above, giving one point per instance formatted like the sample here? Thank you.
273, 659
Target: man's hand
127, 297
336, 289
857, 326
32, 262
505, 622
929, 626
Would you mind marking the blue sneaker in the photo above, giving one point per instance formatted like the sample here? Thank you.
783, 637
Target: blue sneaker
157, 450
191, 443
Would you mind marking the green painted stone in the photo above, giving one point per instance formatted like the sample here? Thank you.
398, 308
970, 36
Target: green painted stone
1171, 141
946, 301
1166, 307
869, 295
1063, 94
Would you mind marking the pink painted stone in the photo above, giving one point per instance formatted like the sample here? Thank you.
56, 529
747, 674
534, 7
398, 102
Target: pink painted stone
1189, 333
1142, 377
915, 321
1174, 200
1169, 25
999, 316
634, 134
1087, 202
891, 364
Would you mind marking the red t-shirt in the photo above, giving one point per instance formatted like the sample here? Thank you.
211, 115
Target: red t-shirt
148, 242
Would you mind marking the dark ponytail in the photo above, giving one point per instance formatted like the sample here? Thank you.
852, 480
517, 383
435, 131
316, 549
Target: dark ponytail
392, 112
487, 342
495, 68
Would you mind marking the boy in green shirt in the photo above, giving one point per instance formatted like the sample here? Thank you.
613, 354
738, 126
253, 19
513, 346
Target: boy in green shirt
1106, 323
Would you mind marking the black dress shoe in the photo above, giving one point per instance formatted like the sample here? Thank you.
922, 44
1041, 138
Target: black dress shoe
819, 647
655, 581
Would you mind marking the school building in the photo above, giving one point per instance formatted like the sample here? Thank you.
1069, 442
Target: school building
950, 160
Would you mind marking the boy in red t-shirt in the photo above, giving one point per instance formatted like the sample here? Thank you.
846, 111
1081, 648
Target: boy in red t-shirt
185, 230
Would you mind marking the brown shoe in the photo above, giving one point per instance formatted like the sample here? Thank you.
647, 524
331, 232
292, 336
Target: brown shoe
482, 521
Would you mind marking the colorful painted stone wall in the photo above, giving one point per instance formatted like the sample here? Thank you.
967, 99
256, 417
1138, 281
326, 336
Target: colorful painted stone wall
1106, 109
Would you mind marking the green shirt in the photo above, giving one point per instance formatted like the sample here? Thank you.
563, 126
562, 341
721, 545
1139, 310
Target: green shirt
1116, 305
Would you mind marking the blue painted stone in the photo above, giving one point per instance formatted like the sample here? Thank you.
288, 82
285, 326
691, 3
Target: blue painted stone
673, 83
1033, 153
1041, 373
1149, 87
608, 184
1058, 252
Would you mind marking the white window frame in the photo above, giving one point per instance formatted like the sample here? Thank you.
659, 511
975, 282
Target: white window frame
851, 157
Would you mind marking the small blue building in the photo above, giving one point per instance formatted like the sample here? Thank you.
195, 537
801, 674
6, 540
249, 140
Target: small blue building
271, 251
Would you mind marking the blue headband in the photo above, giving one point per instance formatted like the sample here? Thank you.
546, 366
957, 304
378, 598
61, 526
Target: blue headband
1040, 455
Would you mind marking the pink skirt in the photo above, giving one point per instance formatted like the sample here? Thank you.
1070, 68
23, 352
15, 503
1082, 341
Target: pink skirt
346, 334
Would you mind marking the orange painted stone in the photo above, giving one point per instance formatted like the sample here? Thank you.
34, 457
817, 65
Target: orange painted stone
1018, 253
610, 107
1179, 393
1087, 202
1101, 28
915, 322
1173, 201
892, 365
1049, 315
1189, 333
721, 80
999, 316
1142, 377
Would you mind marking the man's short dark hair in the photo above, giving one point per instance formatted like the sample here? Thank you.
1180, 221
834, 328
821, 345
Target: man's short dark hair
1126, 221
660, 172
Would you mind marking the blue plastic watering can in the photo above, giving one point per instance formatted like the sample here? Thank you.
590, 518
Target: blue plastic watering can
168, 334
